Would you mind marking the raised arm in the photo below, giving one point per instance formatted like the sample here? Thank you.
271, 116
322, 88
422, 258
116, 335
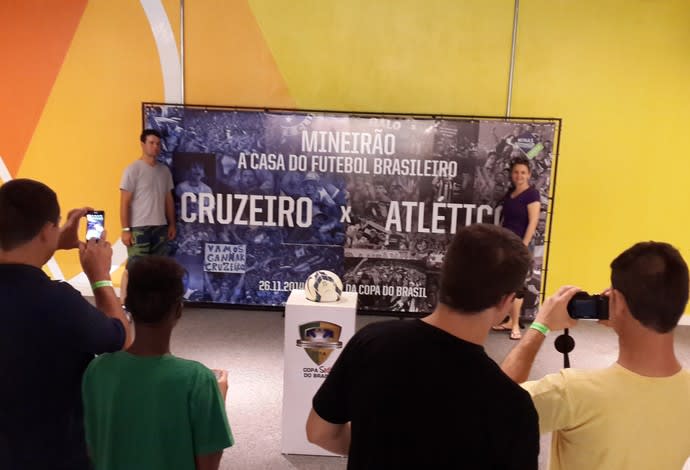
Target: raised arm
215, 293
554, 315
69, 232
518, 364
96, 257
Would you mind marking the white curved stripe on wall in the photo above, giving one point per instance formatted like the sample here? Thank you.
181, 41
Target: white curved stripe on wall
167, 49
172, 90
52, 264
55, 270
4, 172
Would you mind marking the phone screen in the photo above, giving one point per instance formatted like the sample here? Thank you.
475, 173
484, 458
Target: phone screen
585, 308
95, 224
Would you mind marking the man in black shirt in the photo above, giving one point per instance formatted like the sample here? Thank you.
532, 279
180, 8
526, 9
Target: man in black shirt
423, 393
49, 331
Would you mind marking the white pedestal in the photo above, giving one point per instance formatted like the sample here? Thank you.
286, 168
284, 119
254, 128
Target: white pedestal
315, 334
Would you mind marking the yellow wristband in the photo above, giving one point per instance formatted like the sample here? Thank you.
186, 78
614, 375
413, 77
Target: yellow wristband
541, 328
98, 284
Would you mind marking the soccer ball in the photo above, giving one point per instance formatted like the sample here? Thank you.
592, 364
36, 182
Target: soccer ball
323, 286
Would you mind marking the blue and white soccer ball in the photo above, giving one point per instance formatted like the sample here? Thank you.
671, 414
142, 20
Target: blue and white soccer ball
323, 286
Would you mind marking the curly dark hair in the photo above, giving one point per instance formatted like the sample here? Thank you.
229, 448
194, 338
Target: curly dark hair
155, 288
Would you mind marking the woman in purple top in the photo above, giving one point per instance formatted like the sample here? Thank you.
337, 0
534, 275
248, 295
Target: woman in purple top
521, 207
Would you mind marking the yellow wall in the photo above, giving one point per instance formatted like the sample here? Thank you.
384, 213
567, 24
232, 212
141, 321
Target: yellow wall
615, 71
90, 125
394, 56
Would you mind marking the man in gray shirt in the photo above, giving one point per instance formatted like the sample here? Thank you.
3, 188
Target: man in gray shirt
147, 210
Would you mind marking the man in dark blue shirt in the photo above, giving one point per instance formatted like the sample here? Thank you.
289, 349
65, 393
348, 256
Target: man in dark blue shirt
49, 331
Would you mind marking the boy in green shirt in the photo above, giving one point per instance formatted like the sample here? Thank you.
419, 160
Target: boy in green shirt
145, 408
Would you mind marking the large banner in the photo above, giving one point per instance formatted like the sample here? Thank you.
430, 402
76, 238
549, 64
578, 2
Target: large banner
264, 198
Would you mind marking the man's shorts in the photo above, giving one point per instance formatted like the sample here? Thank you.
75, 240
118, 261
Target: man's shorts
148, 240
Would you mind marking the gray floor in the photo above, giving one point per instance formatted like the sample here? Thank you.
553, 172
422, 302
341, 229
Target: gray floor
249, 344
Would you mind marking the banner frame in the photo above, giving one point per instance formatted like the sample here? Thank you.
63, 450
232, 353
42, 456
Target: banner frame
557, 122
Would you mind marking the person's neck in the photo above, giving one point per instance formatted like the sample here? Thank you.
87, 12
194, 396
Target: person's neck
29, 254
149, 160
520, 188
151, 340
647, 353
473, 328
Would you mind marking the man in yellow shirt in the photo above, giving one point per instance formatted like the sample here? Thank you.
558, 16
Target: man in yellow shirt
634, 414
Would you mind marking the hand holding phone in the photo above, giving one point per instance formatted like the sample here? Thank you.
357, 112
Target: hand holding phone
95, 224
589, 307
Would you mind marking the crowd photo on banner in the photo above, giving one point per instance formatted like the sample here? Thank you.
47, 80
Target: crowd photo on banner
265, 198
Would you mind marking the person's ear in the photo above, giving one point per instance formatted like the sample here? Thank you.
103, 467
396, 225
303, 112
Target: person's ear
618, 306
176, 314
47, 232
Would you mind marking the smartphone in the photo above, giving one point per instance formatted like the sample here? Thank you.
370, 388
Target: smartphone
95, 224
584, 306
